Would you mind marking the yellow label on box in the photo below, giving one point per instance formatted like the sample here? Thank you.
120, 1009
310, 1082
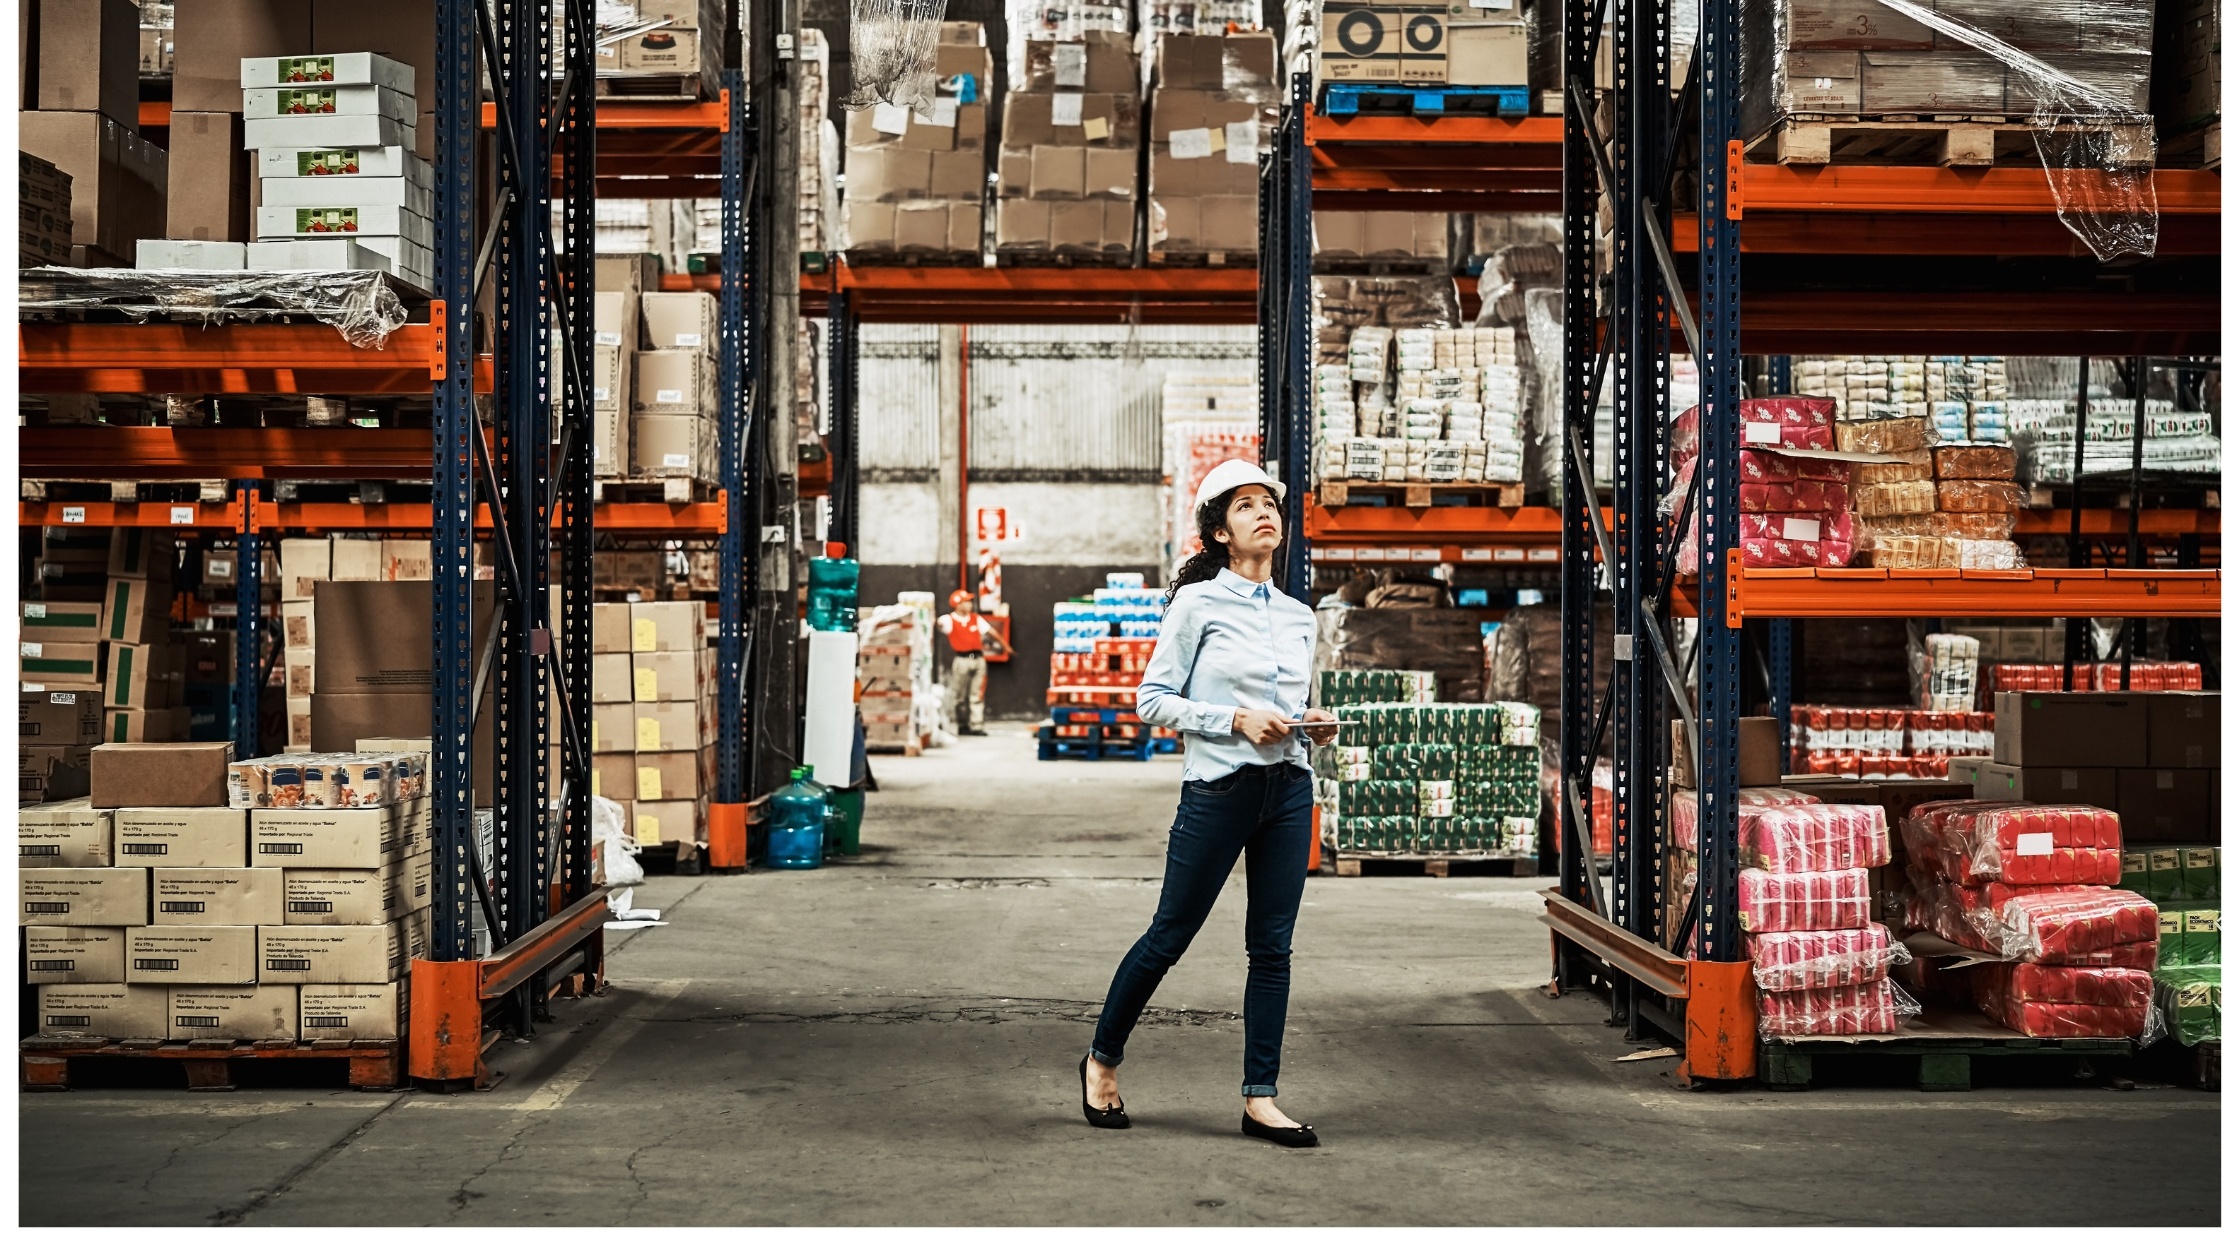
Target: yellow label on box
649, 734
594, 734
644, 683
2133, 862
2203, 923
642, 637
649, 829
2163, 859
649, 783
2169, 923
595, 784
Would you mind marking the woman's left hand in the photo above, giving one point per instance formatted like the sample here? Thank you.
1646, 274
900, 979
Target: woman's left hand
1325, 734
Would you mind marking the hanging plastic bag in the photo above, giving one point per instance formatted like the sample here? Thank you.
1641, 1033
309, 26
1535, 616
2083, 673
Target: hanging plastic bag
890, 43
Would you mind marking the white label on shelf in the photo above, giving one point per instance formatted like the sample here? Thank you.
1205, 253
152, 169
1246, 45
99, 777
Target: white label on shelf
1368, 553
73, 516
668, 395
688, 339
599, 394
1481, 555
221, 568
1069, 64
1621, 647
1338, 553
34, 649
182, 516
1543, 555
1509, 555
606, 338
2034, 844
1801, 528
1762, 432
1242, 141
1191, 142
34, 610
674, 459
1424, 553
889, 119
1065, 109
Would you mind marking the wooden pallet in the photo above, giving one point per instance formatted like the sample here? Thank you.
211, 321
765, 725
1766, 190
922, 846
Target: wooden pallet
1928, 140
2201, 147
1336, 264
653, 490
1059, 258
1355, 862
652, 87
1943, 1043
1419, 493
209, 1063
858, 257
1201, 258
33, 491
895, 750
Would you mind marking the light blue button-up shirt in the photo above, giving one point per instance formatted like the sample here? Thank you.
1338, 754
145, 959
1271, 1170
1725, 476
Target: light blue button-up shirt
1227, 644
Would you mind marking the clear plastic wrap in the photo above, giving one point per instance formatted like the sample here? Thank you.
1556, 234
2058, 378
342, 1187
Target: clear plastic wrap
1912, 551
1808, 901
2065, 923
361, 305
1785, 961
1885, 437
1975, 461
1852, 1010
1942, 669
1979, 497
2046, 1001
1917, 466
890, 50
1896, 498
1988, 842
1989, 526
1790, 839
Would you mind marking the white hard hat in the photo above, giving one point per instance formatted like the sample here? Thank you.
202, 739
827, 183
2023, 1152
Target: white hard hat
1231, 474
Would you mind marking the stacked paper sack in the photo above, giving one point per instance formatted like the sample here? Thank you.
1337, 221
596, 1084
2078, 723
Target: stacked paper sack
1932, 506
2034, 886
1820, 960
340, 187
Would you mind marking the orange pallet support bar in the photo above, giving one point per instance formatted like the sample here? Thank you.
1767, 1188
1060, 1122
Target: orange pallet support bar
1973, 593
2101, 522
1433, 526
1722, 1004
229, 359
665, 520
156, 453
445, 1035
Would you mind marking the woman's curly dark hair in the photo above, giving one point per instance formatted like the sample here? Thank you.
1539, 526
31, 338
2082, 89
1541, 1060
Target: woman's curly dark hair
1213, 554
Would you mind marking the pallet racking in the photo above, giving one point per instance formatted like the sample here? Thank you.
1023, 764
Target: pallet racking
1878, 259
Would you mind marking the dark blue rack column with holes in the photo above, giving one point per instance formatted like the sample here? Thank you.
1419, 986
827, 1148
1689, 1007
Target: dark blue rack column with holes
727, 813
1286, 328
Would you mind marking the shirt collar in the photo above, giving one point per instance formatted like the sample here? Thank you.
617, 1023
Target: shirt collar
1231, 580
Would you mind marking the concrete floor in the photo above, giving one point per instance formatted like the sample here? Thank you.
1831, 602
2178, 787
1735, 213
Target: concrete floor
892, 1042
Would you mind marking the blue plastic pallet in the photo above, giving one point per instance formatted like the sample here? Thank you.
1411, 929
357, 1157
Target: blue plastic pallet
1092, 715
1166, 744
1340, 100
1093, 750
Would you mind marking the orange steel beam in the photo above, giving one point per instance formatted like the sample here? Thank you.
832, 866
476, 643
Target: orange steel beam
221, 516
1453, 129
1946, 190
157, 452
667, 520
1885, 232
2159, 522
543, 945
1954, 593
1432, 526
155, 115
228, 359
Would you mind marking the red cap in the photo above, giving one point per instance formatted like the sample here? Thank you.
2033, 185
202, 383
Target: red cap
836, 551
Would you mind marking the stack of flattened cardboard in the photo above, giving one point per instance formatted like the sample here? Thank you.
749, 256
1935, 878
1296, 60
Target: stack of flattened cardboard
653, 718
917, 181
1213, 105
1066, 176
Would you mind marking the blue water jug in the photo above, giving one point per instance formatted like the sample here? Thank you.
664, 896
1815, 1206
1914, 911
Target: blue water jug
797, 824
832, 589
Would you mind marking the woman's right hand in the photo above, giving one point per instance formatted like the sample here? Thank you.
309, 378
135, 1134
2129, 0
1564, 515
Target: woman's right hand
1261, 727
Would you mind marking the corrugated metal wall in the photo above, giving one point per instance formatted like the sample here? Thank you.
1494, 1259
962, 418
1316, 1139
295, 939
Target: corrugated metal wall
1071, 399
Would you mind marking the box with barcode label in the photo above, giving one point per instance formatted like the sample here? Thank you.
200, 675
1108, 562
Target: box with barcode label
122, 1011
176, 954
351, 1012
107, 896
674, 382
240, 1012
337, 954
64, 834
73, 955
680, 321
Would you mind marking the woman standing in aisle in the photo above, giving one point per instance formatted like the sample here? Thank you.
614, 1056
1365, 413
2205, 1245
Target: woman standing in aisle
1230, 673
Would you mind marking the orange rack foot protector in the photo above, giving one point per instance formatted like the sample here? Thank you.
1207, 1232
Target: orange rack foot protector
446, 1025
1722, 1023
727, 836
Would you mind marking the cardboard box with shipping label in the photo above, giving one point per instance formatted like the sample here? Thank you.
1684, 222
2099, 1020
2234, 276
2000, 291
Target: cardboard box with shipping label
227, 896
668, 626
673, 382
60, 665
63, 834
136, 610
50, 717
351, 1012
334, 954
675, 726
611, 678
610, 627
326, 898
61, 621
203, 835
614, 727
673, 776
73, 955
173, 954
670, 822
119, 1011
680, 321
657, 677
614, 775
354, 839
243, 1012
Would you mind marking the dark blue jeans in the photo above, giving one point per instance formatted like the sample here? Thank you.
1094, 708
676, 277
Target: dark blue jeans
1265, 812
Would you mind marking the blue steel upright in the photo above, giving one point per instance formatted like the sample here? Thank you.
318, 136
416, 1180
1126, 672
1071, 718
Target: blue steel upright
741, 537
249, 665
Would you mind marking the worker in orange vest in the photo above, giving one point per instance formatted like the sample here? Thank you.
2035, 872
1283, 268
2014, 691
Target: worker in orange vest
970, 634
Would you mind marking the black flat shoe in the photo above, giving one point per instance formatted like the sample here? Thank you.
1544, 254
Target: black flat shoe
1113, 1117
1302, 1136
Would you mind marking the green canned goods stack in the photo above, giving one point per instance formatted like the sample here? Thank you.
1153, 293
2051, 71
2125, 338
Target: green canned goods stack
1425, 777
1338, 687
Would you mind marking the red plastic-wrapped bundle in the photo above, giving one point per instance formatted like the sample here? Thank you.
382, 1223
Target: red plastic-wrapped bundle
1793, 421
2043, 1001
2058, 925
1809, 901
1795, 838
1761, 468
1982, 842
1852, 1010
1747, 801
1780, 961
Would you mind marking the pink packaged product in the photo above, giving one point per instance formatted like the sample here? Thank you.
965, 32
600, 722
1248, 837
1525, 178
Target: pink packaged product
2057, 925
1809, 901
1790, 420
1853, 1010
1815, 497
1787, 839
1748, 801
1785, 961
1982, 842
2041, 1001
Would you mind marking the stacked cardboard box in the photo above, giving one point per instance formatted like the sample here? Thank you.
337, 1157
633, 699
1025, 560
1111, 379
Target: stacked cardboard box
42, 213
918, 181
617, 333
1213, 105
1965, 395
1458, 44
653, 718
661, 39
340, 185
81, 114
819, 186
1950, 506
101, 621
894, 674
2189, 72
153, 908
673, 387
1066, 175
1378, 235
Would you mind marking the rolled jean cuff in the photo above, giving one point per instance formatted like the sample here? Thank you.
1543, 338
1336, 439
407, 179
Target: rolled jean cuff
1259, 1091
1109, 1060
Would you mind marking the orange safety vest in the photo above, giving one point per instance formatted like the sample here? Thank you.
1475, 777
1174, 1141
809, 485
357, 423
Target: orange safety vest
964, 632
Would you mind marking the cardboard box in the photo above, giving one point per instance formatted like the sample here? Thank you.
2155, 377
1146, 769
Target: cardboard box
58, 718
678, 726
2047, 785
1100, 61
339, 217
61, 621
89, 148
352, 839
327, 68
610, 378
1758, 754
243, 1012
170, 954
163, 775
680, 321
406, 560
616, 319
403, 32
73, 955
351, 1012
136, 610
614, 775
206, 657
673, 382
51, 772
2183, 729
2165, 805
299, 723
673, 776
229, 896
304, 562
368, 953
2165, 874
354, 560
328, 897
2075, 728
667, 626
63, 835
2199, 871
209, 182
610, 627
361, 650
365, 190
608, 442
89, 57
83, 897
672, 445
120, 1011
662, 676
614, 728
70, 665
670, 822
211, 37
345, 163
611, 678
146, 726
137, 677
181, 836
